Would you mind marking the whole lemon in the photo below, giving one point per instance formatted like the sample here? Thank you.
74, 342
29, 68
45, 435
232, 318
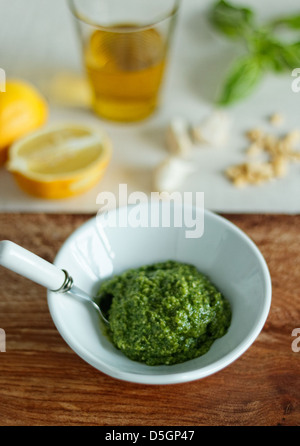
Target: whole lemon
22, 110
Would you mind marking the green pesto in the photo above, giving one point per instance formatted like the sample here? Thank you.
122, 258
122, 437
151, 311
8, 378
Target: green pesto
165, 313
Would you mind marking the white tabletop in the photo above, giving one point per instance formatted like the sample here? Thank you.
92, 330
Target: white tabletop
38, 41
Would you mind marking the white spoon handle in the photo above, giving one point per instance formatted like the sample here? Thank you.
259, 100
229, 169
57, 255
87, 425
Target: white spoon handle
29, 265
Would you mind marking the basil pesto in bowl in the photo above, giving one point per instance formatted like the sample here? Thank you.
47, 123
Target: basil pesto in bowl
222, 260
165, 313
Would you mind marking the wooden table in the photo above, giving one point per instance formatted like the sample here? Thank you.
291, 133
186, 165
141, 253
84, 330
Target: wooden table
42, 382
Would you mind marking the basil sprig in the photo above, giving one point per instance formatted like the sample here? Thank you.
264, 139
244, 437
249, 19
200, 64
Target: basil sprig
264, 50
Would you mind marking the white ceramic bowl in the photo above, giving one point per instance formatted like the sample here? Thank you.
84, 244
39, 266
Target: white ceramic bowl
224, 253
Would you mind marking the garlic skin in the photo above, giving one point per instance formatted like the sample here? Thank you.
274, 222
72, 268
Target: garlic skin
171, 173
178, 138
213, 130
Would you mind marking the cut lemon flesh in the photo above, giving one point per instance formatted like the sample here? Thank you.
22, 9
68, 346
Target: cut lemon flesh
60, 162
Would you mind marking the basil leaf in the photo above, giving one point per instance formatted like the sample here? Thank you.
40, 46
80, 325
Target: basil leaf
292, 22
291, 55
232, 20
243, 77
280, 57
276, 58
270, 51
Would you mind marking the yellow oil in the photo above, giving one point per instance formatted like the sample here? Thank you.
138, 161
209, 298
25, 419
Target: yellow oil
125, 67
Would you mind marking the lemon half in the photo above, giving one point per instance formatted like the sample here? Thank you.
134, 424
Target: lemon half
61, 161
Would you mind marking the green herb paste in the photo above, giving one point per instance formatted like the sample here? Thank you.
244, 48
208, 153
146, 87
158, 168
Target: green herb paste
164, 313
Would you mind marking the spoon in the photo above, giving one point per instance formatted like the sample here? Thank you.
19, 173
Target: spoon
29, 265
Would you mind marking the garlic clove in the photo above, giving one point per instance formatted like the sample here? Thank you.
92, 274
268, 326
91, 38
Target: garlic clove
178, 138
213, 130
171, 173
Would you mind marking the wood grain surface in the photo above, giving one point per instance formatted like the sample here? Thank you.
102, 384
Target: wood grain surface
42, 382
